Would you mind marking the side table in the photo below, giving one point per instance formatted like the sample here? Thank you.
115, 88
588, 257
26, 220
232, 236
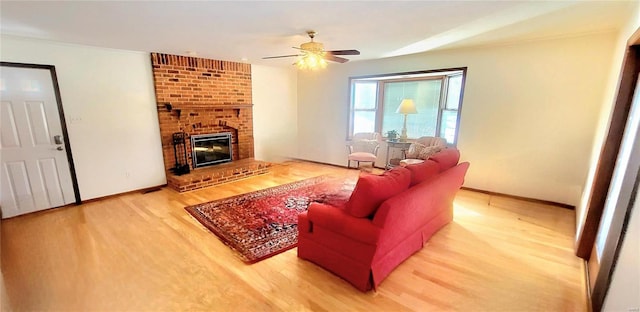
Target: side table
391, 145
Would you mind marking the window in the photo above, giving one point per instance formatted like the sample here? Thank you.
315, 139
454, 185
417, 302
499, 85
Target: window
364, 106
437, 96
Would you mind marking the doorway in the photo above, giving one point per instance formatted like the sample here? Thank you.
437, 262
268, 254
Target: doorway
615, 182
36, 165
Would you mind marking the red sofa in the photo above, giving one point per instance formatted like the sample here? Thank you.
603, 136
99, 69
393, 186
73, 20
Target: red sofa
387, 219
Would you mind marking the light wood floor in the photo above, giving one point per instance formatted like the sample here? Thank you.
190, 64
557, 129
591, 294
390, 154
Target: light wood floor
143, 252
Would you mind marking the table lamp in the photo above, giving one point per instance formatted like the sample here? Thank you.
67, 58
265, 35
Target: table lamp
406, 107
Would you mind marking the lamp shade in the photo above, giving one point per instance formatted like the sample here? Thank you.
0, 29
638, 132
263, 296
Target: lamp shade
407, 107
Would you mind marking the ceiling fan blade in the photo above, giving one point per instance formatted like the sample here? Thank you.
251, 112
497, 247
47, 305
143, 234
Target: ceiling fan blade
332, 58
280, 56
344, 52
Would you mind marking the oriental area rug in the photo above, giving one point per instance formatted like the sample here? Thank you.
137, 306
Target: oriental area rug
261, 224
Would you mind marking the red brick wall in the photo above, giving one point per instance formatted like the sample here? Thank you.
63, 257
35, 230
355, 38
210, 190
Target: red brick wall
206, 96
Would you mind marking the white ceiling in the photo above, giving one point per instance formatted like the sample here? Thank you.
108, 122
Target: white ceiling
250, 30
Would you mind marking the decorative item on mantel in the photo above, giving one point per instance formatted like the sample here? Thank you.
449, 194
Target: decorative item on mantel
182, 165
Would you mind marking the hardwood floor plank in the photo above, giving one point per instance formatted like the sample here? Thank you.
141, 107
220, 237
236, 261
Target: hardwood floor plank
145, 252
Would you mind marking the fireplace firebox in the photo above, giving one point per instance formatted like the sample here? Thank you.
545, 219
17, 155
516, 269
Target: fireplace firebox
211, 149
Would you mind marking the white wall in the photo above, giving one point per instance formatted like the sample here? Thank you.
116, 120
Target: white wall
528, 115
275, 112
109, 105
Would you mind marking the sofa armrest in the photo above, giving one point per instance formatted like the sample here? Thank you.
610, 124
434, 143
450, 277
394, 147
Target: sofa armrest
338, 221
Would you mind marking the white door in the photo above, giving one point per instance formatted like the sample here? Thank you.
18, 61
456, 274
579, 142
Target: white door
34, 172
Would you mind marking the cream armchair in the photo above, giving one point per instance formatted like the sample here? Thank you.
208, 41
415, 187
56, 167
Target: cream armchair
363, 148
422, 149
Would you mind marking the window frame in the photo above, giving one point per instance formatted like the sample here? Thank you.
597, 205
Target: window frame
352, 108
405, 77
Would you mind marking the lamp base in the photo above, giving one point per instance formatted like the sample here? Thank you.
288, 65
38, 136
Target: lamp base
403, 134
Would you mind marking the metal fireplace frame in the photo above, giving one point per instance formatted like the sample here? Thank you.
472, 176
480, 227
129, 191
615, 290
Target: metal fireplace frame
209, 137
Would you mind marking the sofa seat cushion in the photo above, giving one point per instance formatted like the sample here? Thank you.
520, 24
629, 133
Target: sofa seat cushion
422, 171
371, 190
446, 158
362, 156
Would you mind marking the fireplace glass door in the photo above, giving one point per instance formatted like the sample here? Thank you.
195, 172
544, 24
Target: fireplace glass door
211, 149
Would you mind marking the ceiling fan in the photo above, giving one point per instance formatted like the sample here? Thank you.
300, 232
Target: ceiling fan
314, 50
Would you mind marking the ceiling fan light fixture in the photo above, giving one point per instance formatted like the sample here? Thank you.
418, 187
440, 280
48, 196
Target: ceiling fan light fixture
311, 61
312, 46
313, 56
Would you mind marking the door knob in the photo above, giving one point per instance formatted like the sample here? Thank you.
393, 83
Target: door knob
59, 148
57, 139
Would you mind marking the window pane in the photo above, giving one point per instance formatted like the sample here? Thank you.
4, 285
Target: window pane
453, 92
448, 125
426, 96
364, 121
364, 95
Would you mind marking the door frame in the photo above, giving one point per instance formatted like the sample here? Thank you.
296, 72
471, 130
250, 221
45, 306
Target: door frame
610, 148
627, 84
63, 123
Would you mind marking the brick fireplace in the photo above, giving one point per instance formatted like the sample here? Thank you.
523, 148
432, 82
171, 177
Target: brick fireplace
202, 96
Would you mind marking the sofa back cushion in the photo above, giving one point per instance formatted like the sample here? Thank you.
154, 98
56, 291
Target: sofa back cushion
423, 171
446, 158
371, 190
